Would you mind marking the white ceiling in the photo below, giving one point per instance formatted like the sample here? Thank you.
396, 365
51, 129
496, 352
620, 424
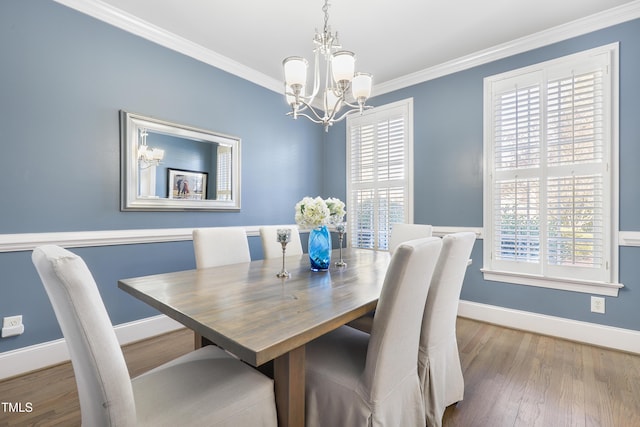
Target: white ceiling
391, 38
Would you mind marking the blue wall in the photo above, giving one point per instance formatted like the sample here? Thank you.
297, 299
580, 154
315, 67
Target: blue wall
63, 78
448, 134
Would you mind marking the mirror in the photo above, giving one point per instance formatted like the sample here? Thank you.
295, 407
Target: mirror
168, 166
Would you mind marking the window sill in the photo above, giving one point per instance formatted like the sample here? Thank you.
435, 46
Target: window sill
598, 288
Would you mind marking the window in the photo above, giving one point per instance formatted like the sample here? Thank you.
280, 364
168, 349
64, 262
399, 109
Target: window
550, 189
379, 176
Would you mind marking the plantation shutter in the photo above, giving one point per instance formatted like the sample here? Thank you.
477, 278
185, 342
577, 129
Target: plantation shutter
378, 175
516, 213
576, 204
550, 183
223, 175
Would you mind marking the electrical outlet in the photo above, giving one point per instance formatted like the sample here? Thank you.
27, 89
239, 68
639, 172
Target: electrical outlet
597, 305
12, 326
12, 321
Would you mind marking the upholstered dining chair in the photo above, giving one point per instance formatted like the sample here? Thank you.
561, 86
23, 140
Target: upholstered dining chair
438, 358
357, 379
220, 246
270, 246
399, 233
402, 232
204, 386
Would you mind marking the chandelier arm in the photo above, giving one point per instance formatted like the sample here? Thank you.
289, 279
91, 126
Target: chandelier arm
318, 121
316, 76
336, 108
301, 97
348, 112
327, 80
319, 118
358, 106
354, 105
313, 110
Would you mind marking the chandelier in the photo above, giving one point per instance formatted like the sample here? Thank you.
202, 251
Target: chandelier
340, 78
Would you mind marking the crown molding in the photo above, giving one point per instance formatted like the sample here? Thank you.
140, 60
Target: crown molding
132, 24
608, 18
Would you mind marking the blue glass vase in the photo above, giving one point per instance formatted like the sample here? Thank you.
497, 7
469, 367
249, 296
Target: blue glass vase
320, 248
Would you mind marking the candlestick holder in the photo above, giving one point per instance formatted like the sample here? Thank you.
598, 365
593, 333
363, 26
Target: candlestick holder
283, 237
341, 228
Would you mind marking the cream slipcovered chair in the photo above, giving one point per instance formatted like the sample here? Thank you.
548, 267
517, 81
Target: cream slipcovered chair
273, 249
220, 246
355, 379
205, 386
438, 358
399, 233
404, 232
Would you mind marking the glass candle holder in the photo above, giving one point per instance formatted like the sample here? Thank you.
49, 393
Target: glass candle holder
283, 236
341, 228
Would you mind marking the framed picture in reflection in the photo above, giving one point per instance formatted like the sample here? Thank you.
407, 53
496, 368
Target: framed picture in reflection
187, 185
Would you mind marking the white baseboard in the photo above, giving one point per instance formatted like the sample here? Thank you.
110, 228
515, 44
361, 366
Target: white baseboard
27, 359
574, 330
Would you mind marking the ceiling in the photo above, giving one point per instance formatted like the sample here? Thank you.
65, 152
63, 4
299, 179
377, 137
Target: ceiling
391, 38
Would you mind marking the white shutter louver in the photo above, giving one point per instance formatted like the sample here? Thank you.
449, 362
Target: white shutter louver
378, 175
550, 192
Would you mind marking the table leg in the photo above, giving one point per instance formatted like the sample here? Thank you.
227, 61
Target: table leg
200, 341
289, 388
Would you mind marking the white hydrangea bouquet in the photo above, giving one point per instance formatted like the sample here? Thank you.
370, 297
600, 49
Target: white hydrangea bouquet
314, 212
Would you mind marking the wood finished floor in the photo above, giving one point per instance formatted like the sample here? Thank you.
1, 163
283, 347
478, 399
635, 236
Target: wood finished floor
512, 378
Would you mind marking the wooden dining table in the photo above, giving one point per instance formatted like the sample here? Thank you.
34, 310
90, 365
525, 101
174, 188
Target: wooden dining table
247, 310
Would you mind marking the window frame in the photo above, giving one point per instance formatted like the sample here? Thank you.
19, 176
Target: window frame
377, 115
517, 272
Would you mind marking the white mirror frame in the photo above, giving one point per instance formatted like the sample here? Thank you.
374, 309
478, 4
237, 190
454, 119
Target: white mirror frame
130, 123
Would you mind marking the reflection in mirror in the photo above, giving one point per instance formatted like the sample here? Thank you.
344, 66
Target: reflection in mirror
167, 166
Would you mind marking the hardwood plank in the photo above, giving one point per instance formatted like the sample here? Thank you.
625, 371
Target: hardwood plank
516, 378
53, 392
590, 386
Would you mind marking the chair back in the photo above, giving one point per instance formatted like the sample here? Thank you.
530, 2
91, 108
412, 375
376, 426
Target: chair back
104, 385
439, 368
270, 246
404, 232
220, 246
392, 353
441, 310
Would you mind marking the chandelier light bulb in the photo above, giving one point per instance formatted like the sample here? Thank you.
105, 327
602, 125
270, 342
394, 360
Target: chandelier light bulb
295, 70
361, 86
343, 65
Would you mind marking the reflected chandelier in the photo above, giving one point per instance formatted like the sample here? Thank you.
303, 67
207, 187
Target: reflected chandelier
340, 76
148, 156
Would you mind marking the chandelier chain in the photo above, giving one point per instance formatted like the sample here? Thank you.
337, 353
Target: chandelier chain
325, 9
